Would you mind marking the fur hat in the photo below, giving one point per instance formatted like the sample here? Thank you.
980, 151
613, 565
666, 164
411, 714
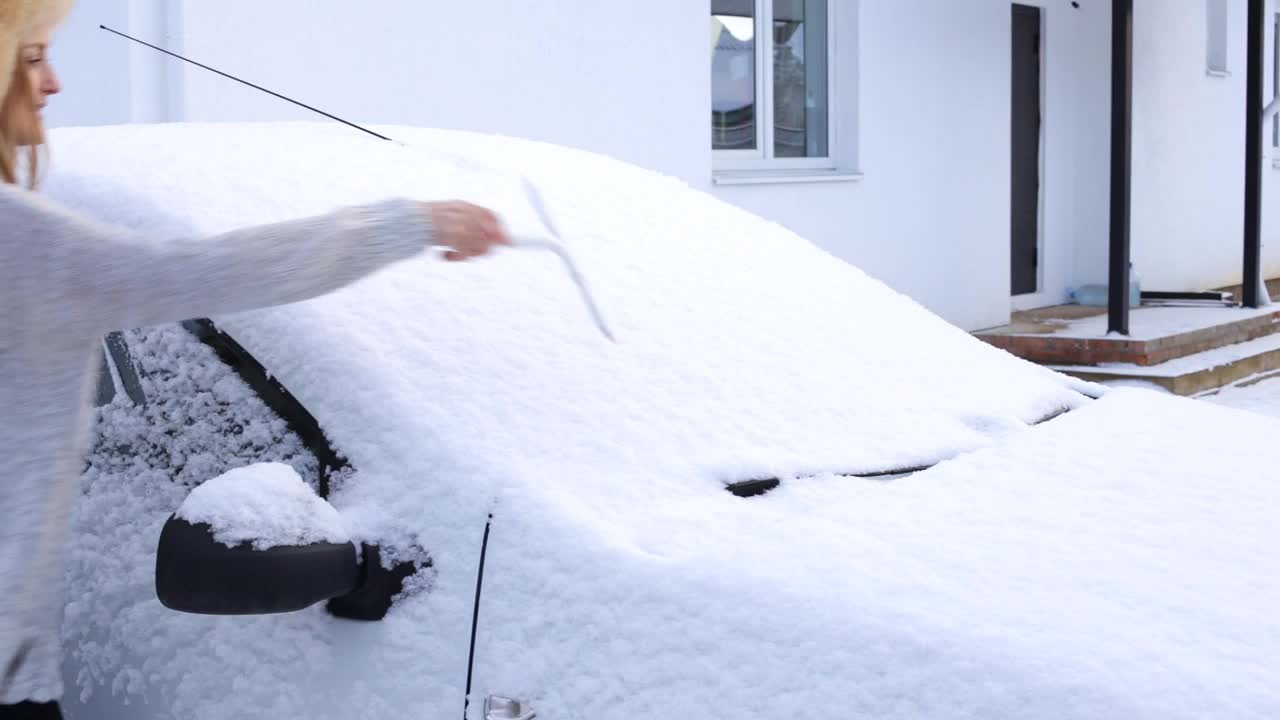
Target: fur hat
19, 20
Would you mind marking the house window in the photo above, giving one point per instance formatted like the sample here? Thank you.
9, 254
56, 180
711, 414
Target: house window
771, 79
1217, 40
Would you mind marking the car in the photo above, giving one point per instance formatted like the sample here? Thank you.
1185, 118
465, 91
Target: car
781, 490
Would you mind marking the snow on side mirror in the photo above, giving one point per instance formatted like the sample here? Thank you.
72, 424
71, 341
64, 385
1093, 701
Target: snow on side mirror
254, 541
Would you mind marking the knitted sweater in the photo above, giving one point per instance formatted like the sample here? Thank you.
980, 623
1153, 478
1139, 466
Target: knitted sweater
65, 281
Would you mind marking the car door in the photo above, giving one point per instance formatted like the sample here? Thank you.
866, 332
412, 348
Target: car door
204, 406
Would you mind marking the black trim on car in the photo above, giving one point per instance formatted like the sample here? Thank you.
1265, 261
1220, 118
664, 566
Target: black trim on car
115, 363
128, 371
274, 394
755, 488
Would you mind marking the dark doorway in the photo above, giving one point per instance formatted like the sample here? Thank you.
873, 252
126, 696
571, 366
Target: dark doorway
1025, 201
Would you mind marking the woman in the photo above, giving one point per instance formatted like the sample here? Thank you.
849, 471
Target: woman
65, 281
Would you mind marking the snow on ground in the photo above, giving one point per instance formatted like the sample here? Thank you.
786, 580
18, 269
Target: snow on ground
1096, 566
266, 505
1259, 394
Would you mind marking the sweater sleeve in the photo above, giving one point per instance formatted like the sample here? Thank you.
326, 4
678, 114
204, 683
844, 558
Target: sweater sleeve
117, 279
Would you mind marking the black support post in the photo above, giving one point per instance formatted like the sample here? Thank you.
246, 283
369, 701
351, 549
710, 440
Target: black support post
1253, 155
1121, 163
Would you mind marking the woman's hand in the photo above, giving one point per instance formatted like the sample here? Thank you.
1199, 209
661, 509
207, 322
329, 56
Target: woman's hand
466, 230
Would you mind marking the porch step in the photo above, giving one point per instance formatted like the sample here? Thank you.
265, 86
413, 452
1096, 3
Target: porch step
1191, 374
1074, 336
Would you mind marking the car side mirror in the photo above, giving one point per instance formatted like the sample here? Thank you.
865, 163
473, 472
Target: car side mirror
197, 573
258, 541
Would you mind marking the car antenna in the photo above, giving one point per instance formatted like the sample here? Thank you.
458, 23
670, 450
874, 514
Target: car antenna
554, 245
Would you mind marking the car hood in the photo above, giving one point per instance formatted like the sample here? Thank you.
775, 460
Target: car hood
1116, 562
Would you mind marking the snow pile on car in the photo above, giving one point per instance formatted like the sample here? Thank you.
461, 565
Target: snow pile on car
1012, 580
744, 351
265, 505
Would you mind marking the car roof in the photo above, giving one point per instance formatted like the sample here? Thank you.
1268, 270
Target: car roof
744, 351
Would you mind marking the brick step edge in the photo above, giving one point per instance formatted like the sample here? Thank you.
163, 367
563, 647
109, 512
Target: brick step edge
1055, 349
1188, 379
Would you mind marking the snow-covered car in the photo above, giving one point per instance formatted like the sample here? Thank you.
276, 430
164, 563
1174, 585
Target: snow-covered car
785, 491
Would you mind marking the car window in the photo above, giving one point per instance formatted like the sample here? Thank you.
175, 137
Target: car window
199, 418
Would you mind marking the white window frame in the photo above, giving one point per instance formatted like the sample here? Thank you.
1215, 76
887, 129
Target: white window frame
1217, 38
1275, 85
762, 158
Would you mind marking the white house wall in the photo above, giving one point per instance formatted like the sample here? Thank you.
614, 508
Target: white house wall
924, 109
1271, 169
924, 106
1092, 230
1188, 151
1077, 158
627, 79
95, 67
931, 214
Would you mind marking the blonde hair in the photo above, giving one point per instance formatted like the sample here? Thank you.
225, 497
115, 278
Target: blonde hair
18, 121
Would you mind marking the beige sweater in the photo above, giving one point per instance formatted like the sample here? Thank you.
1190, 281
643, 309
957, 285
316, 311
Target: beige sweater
64, 282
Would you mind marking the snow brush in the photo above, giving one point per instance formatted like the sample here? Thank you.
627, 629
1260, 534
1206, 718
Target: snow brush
554, 245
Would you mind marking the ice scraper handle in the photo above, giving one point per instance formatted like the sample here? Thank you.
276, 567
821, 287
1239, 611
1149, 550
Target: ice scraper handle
570, 267
464, 230
578, 280
554, 245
